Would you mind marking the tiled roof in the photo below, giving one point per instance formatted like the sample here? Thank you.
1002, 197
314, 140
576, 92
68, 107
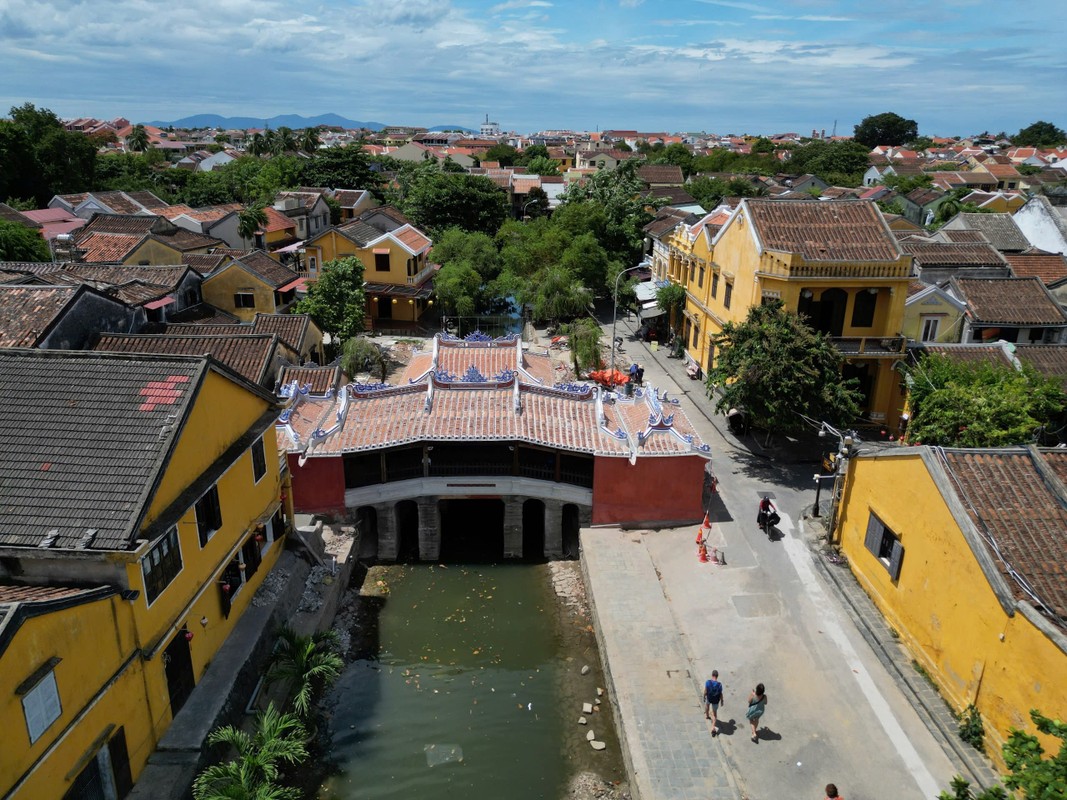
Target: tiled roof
944, 254
205, 263
249, 355
8, 214
204, 314
1049, 267
349, 198
1020, 517
413, 239
277, 221
27, 312
665, 174
20, 593
1011, 301
1048, 359
999, 229
120, 202
132, 224
667, 219
86, 435
267, 269
115, 275
673, 195
108, 247
359, 232
821, 231
969, 353
183, 240
289, 328
147, 200
962, 236
319, 380
306, 199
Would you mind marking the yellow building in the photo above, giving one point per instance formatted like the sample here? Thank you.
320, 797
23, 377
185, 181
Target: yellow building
251, 284
136, 525
963, 552
836, 263
932, 315
397, 274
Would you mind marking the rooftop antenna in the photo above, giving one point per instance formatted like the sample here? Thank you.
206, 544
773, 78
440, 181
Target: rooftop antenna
834, 134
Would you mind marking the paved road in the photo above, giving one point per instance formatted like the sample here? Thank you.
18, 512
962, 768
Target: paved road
666, 621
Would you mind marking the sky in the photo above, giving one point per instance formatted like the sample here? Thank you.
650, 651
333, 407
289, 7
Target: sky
957, 67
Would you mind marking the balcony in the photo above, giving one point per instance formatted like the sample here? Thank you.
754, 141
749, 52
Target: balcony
870, 346
828, 269
427, 271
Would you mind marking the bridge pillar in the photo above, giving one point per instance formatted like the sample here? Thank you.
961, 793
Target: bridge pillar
388, 535
512, 526
429, 529
553, 529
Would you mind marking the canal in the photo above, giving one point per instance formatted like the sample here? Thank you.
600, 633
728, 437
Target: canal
470, 686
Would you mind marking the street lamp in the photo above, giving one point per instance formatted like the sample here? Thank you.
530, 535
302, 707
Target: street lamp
614, 319
527, 205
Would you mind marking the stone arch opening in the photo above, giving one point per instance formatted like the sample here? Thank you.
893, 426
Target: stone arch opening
407, 531
571, 525
472, 529
367, 529
533, 530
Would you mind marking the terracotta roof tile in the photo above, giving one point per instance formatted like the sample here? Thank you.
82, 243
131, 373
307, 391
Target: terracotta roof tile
249, 355
1013, 505
319, 380
415, 241
822, 231
1049, 267
108, 247
1012, 301
289, 328
944, 254
1048, 359
11, 593
26, 312
664, 174
267, 269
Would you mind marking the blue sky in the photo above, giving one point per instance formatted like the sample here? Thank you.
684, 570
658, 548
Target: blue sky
729, 66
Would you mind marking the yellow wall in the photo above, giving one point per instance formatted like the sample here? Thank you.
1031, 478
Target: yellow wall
949, 315
219, 289
942, 605
156, 253
94, 641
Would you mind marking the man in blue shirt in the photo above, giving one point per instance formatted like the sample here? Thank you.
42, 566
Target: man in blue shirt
712, 700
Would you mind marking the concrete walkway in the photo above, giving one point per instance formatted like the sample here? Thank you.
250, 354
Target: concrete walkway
840, 705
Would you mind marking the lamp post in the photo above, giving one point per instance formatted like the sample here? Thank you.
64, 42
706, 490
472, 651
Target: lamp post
526, 206
846, 441
614, 319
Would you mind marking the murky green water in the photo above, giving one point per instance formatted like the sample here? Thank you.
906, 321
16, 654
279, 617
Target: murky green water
463, 701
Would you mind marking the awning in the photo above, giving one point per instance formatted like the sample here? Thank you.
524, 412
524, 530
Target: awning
381, 251
163, 301
291, 285
290, 248
649, 310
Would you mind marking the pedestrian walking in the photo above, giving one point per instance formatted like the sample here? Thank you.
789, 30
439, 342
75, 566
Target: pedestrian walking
831, 793
712, 700
757, 704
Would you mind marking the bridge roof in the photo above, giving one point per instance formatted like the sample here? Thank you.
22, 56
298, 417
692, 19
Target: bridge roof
501, 395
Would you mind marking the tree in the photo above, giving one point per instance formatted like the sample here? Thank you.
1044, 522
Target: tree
671, 298
360, 354
584, 335
830, 158
278, 738
1039, 134
458, 287
249, 221
588, 261
436, 200
477, 249
347, 167
138, 139
19, 243
556, 295
309, 140
307, 663
542, 165
979, 405
336, 301
257, 145
41, 158
887, 128
772, 366
504, 154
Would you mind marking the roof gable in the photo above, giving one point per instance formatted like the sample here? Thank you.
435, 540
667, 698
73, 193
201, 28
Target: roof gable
820, 231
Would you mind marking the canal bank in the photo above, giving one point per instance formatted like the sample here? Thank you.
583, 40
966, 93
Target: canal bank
470, 678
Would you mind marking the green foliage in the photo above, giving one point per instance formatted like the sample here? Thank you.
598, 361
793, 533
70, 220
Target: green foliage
622, 197
920, 143
347, 167
277, 739
677, 154
530, 153
504, 154
887, 128
41, 158
970, 728
138, 139
435, 200
308, 664
723, 160
360, 354
979, 405
250, 220
773, 366
458, 287
671, 298
584, 335
588, 261
542, 165
19, 243
829, 160
336, 301
1040, 134
961, 790
556, 294
907, 183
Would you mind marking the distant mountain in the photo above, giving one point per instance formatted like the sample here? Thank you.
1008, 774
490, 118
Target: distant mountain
294, 121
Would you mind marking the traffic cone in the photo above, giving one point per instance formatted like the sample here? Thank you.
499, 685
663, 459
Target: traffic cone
707, 523
702, 553
715, 555
700, 535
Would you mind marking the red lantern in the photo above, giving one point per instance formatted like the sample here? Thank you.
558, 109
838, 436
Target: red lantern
188, 636
260, 537
226, 588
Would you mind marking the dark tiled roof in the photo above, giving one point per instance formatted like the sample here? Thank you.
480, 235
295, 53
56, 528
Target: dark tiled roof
130, 224
8, 214
1012, 301
943, 254
664, 174
27, 312
999, 229
970, 353
267, 269
204, 314
121, 202
147, 199
116, 275
1049, 267
962, 236
205, 263
348, 198
359, 232
84, 436
319, 380
249, 355
674, 195
1014, 506
289, 328
184, 240
1048, 359
821, 231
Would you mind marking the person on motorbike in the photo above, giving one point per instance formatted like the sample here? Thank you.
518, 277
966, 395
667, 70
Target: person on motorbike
766, 514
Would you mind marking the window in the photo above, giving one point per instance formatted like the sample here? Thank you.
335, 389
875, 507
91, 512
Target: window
244, 300
930, 326
727, 294
313, 264
863, 306
700, 279
208, 514
381, 262
40, 702
714, 284
259, 461
696, 336
884, 545
161, 564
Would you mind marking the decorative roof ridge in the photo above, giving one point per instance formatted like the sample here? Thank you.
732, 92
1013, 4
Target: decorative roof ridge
659, 422
321, 434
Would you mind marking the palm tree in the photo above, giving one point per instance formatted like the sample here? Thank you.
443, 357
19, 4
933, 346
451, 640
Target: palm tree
284, 142
256, 145
138, 139
307, 663
249, 221
309, 140
278, 738
270, 141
